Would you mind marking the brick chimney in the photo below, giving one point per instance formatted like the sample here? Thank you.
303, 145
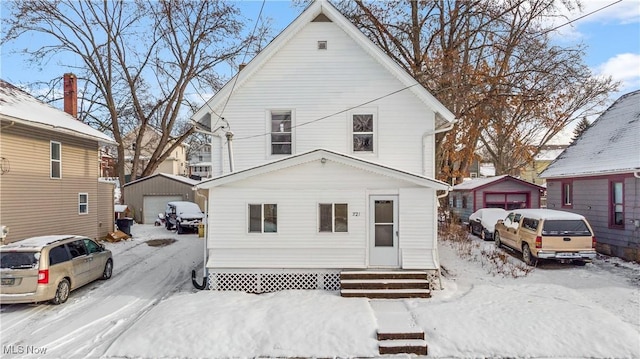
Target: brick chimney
70, 87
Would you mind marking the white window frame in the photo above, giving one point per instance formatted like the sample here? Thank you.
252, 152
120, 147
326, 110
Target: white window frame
333, 217
262, 205
52, 160
81, 203
363, 111
268, 116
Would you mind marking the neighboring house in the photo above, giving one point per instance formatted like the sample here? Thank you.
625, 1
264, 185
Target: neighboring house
50, 168
531, 173
334, 157
200, 162
598, 176
175, 164
493, 192
148, 196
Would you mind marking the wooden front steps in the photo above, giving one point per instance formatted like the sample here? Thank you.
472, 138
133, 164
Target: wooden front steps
402, 343
384, 284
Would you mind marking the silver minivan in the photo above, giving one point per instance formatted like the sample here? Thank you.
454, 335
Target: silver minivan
48, 268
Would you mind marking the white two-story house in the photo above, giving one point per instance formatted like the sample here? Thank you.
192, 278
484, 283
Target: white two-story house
333, 162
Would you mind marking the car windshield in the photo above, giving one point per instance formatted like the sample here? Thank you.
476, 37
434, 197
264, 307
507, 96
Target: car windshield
565, 227
19, 260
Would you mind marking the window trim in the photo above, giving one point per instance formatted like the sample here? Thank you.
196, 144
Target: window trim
269, 114
262, 207
613, 204
80, 203
333, 217
567, 191
52, 160
363, 111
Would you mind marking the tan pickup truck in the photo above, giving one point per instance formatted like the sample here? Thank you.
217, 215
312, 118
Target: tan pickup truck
547, 234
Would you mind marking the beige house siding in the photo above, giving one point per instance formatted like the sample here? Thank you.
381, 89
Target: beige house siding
106, 210
175, 164
31, 203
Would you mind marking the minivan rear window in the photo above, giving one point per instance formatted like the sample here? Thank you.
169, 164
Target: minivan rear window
58, 254
565, 228
19, 260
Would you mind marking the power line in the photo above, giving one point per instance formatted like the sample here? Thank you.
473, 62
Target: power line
578, 18
337, 113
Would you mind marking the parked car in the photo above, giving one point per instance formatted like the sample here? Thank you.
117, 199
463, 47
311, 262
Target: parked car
482, 222
48, 268
183, 216
547, 234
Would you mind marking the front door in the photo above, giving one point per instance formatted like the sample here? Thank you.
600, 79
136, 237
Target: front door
383, 232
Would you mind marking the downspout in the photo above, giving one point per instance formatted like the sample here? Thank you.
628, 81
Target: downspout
205, 275
432, 133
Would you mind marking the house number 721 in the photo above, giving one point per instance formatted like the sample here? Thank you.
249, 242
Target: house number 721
355, 214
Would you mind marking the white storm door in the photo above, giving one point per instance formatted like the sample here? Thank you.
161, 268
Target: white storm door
383, 231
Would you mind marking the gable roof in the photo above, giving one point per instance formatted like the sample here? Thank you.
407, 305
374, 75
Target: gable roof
610, 145
323, 155
315, 9
479, 183
17, 105
182, 179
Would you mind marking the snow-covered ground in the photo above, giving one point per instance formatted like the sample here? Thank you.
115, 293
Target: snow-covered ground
149, 309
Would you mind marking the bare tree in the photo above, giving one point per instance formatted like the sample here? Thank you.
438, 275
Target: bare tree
138, 60
492, 64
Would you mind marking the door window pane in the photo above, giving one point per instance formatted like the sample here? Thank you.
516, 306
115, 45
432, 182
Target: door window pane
384, 211
384, 235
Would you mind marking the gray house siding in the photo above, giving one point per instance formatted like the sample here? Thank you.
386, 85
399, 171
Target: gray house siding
592, 199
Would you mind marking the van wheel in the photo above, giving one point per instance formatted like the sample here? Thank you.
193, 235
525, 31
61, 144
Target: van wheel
527, 257
62, 293
496, 239
180, 228
108, 270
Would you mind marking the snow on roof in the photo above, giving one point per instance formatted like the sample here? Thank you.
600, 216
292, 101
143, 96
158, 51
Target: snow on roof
610, 145
26, 109
548, 155
477, 182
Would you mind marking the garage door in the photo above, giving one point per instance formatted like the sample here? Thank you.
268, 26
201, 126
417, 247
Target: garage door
152, 205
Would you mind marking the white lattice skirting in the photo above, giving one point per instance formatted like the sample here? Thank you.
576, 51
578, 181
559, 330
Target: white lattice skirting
266, 281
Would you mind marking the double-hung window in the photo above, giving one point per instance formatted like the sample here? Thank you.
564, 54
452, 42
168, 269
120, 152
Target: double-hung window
281, 139
617, 204
333, 217
263, 218
363, 132
55, 156
83, 203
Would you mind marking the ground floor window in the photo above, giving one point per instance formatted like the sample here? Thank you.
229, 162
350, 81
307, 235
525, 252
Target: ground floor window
333, 217
617, 204
263, 218
567, 194
83, 203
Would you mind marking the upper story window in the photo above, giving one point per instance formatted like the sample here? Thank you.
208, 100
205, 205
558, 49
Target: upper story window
55, 156
281, 139
617, 204
363, 132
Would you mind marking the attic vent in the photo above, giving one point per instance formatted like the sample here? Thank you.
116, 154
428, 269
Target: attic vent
321, 18
322, 45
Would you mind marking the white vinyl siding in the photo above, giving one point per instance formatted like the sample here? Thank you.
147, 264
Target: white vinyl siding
322, 98
298, 191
